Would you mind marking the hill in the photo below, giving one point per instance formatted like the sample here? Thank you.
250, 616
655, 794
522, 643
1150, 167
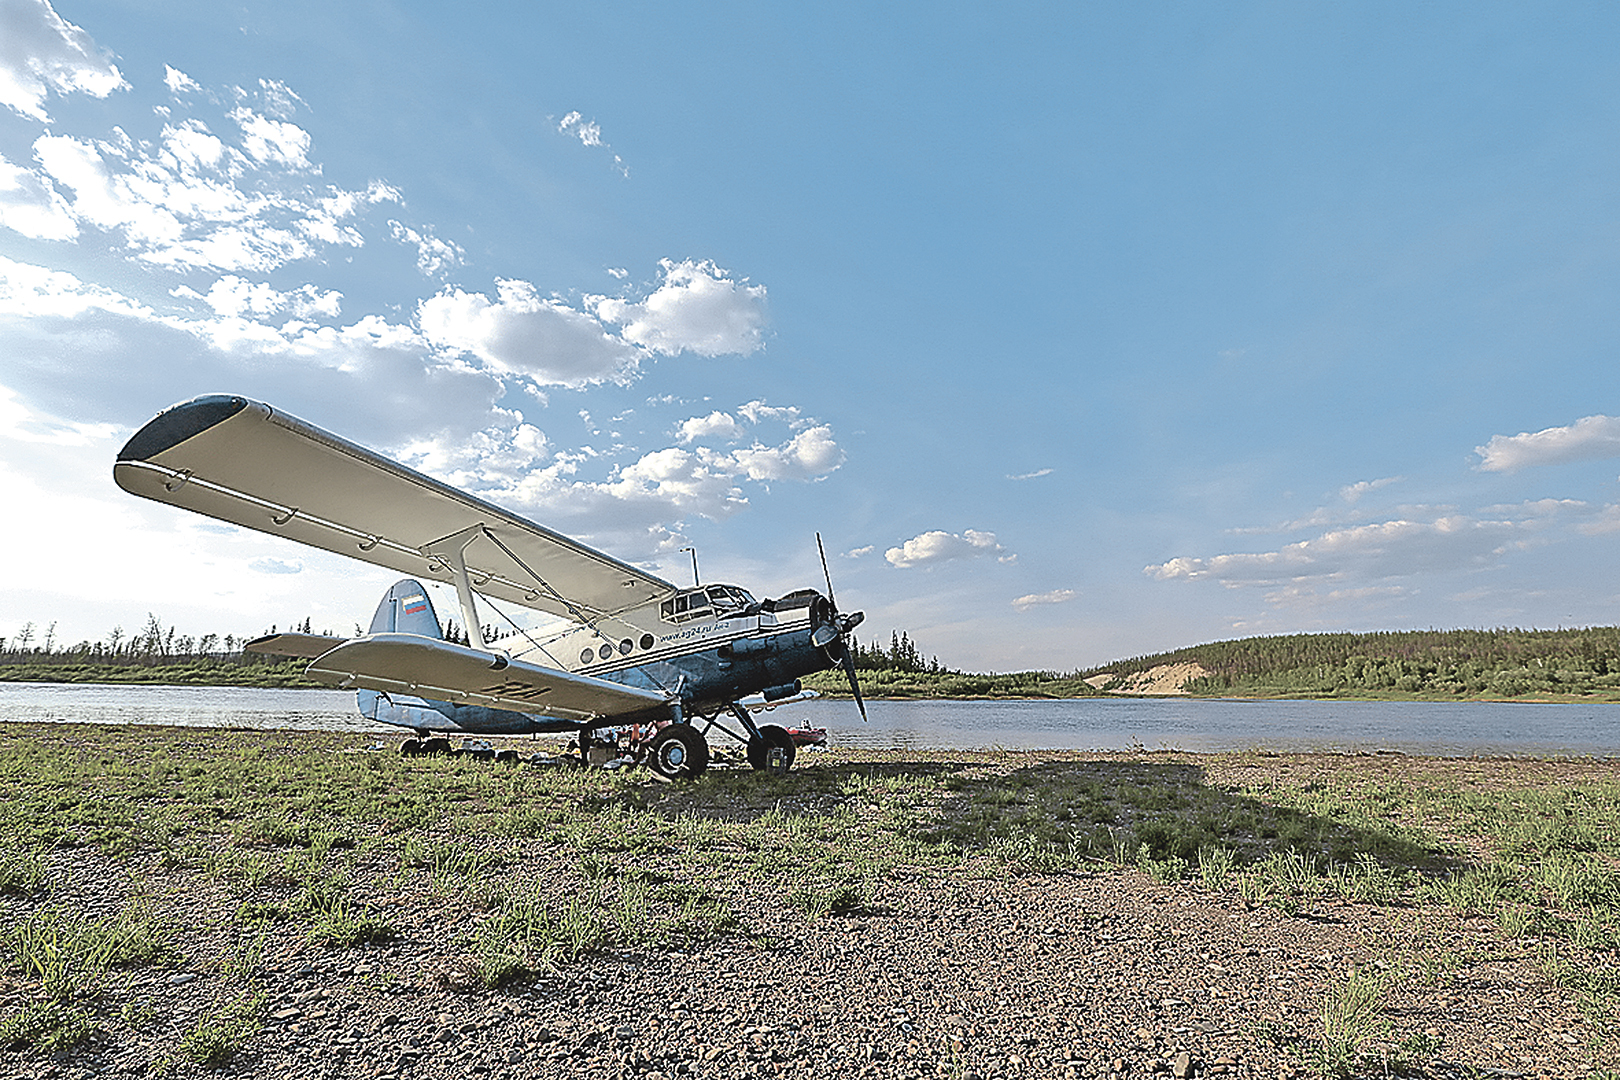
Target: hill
1579, 663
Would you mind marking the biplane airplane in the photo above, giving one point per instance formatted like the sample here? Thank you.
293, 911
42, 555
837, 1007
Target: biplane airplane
634, 665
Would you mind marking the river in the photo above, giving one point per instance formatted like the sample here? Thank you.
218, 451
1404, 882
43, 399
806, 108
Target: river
1196, 724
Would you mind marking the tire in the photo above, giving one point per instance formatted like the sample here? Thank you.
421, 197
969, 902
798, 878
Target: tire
771, 736
678, 752
436, 746
410, 747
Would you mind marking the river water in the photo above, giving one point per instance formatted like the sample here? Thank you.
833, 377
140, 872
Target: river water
1197, 724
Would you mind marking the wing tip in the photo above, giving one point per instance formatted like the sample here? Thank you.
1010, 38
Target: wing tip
176, 424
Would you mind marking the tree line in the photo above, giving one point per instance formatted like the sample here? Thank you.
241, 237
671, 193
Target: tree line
901, 655
153, 644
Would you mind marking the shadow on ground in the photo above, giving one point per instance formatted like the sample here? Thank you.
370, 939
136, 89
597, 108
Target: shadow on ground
1118, 810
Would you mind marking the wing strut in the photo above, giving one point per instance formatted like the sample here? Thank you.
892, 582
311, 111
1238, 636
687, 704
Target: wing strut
452, 550
573, 608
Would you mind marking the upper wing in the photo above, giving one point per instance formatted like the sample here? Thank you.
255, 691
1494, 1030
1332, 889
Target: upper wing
243, 462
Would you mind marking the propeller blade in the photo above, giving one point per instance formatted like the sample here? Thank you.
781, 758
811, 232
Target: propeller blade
825, 572
838, 626
854, 683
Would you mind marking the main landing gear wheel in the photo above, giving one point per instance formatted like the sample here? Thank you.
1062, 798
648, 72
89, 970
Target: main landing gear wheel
411, 747
771, 737
678, 753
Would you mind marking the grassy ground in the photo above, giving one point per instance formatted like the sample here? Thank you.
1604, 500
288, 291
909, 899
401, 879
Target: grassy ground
311, 835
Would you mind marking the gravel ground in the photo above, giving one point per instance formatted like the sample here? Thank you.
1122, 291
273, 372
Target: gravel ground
979, 972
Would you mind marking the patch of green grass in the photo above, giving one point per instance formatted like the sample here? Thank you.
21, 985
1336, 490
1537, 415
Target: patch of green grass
821, 899
1352, 1016
68, 951
23, 872
51, 1026
524, 935
338, 920
216, 1039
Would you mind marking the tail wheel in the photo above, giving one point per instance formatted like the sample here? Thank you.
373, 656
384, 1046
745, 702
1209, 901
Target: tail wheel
771, 737
678, 753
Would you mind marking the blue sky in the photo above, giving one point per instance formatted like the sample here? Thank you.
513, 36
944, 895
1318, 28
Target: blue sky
1078, 331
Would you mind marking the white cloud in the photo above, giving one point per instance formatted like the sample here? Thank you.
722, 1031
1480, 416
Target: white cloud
41, 52
179, 82
1057, 596
757, 412
1352, 493
195, 202
696, 308
1587, 439
1383, 550
23, 424
523, 333
1031, 475
810, 454
1605, 521
267, 565
716, 424
235, 298
433, 255
589, 133
938, 546
69, 352
272, 142
30, 205
30, 291
1306, 598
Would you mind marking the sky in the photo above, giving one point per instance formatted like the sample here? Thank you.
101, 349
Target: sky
1078, 331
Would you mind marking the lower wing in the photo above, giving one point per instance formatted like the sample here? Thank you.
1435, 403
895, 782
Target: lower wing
439, 670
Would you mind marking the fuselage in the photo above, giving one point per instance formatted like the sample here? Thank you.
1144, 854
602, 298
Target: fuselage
708, 646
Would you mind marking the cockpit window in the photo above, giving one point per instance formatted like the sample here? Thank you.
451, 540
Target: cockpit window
706, 602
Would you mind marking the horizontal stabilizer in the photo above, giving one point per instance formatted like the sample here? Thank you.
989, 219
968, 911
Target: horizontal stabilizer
304, 646
440, 671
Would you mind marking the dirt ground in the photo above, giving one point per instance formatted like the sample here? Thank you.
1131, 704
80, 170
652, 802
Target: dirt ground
978, 971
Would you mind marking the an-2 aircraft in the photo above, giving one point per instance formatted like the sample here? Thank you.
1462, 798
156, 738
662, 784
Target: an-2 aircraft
636, 654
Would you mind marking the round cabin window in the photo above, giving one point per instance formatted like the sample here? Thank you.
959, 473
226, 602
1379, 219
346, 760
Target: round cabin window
646, 641
587, 656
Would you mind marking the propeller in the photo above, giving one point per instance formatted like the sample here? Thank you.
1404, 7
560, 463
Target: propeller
829, 628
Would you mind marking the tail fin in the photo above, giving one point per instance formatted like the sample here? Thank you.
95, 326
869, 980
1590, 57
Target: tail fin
406, 609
